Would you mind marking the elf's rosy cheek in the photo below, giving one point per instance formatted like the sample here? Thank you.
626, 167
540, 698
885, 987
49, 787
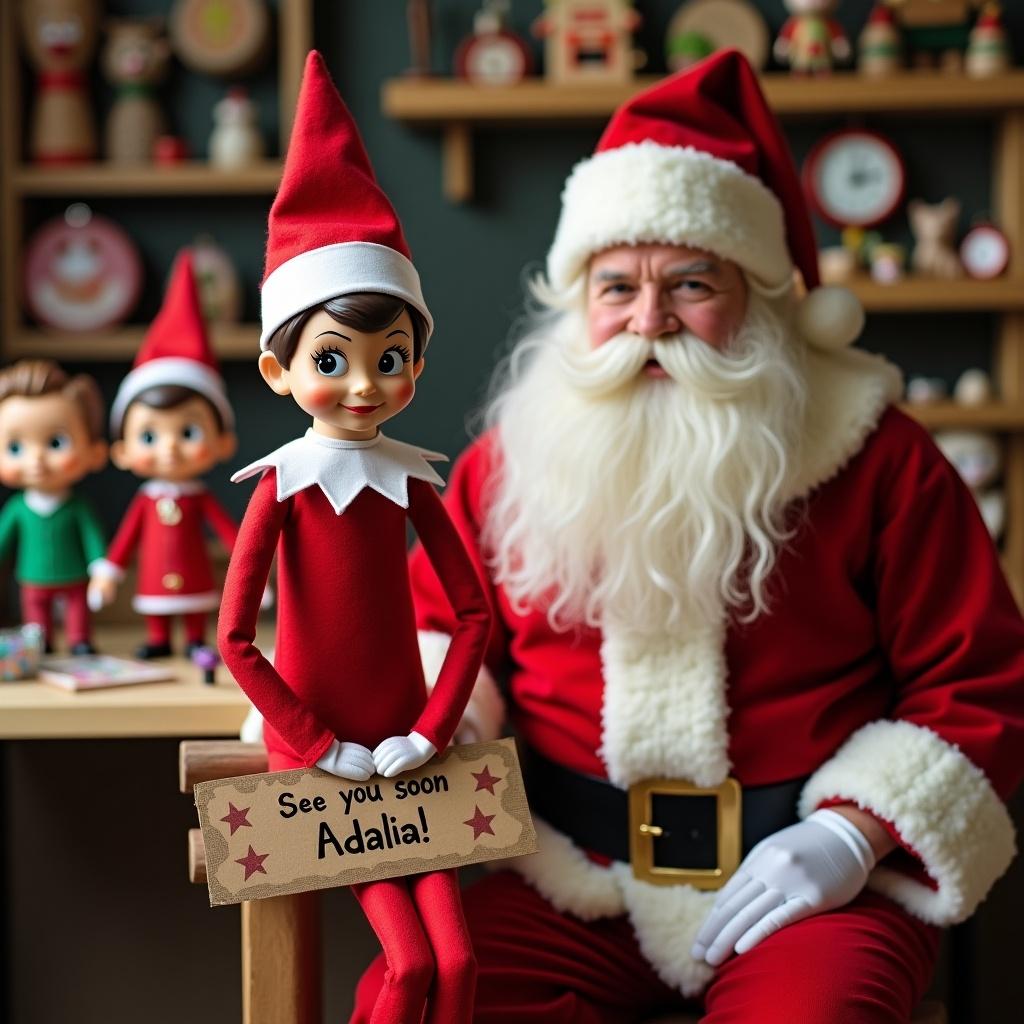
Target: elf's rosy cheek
319, 397
405, 392
200, 452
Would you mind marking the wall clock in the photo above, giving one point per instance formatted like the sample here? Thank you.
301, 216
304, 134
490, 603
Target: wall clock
855, 178
985, 252
492, 55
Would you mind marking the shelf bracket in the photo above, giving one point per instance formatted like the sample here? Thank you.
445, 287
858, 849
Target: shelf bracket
457, 159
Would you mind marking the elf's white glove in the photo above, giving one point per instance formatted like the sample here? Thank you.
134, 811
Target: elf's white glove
347, 761
817, 865
402, 753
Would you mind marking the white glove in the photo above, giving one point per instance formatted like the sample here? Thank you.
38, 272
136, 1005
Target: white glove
817, 865
402, 753
347, 761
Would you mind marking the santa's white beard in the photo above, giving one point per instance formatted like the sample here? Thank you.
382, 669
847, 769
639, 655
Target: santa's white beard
647, 502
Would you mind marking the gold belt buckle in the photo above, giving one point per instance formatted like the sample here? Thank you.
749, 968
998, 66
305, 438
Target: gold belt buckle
643, 831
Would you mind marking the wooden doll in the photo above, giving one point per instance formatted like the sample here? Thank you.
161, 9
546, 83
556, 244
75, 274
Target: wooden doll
811, 40
345, 327
172, 423
60, 40
135, 61
51, 436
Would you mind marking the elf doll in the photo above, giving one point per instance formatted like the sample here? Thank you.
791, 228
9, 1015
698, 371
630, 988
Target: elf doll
345, 327
51, 436
172, 422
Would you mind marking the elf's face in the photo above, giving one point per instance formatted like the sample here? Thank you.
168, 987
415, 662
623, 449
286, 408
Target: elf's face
45, 444
349, 381
174, 444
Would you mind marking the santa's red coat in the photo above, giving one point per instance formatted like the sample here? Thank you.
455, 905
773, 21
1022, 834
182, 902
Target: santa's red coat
167, 528
346, 662
890, 669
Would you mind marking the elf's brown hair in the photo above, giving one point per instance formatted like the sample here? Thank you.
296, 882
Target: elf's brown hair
169, 396
33, 378
365, 311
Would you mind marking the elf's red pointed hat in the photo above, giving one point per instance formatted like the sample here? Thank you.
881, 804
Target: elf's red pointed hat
175, 350
332, 230
700, 160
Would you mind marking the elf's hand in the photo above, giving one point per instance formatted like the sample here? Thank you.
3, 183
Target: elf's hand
402, 753
101, 591
817, 865
347, 761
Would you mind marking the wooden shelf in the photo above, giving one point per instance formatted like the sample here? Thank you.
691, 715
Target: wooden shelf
191, 178
459, 106
231, 342
998, 416
923, 295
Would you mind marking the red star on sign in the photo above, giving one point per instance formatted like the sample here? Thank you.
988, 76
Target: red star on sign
485, 780
236, 818
253, 862
480, 823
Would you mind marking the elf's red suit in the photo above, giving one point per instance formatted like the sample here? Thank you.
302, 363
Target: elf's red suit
346, 660
165, 523
890, 672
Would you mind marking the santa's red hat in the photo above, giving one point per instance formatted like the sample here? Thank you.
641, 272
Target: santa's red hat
332, 230
175, 350
700, 160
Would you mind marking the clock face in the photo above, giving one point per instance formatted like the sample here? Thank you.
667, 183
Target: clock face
495, 59
855, 179
985, 252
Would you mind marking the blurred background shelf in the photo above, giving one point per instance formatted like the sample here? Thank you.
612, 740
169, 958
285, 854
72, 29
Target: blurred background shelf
194, 177
931, 295
997, 416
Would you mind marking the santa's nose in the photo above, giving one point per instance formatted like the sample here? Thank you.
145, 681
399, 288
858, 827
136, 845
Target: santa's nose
652, 316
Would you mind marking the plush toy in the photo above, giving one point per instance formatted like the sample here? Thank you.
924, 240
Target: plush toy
934, 227
172, 423
60, 41
811, 39
978, 458
988, 47
235, 140
345, 328
51, 436
135, 61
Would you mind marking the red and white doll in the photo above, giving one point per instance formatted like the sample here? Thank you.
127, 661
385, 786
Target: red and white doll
172, 422
345, 327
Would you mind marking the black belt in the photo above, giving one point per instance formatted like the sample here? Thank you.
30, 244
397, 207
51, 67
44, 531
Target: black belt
596, 815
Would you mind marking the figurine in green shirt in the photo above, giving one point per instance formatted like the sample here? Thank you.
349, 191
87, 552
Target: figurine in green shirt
51, 436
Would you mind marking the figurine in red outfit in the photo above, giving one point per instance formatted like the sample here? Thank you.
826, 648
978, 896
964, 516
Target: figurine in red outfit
345, 327
172, 423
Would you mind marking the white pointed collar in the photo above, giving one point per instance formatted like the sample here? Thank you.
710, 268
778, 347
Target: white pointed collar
341, 469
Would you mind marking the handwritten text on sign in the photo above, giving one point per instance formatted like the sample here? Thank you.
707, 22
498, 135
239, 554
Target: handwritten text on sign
285, 832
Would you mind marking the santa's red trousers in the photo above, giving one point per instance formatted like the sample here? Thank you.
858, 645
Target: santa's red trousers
866, 963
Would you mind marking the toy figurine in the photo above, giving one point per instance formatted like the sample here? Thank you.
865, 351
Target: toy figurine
345, 327
172, 422
51, 436
988, 47
880, 46
934, 227
135, 61
60, 40
588, 40
235, 140
811, 39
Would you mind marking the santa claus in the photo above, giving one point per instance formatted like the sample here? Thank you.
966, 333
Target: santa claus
753, 635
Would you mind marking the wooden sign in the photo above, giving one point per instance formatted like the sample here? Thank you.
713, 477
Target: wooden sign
286, 832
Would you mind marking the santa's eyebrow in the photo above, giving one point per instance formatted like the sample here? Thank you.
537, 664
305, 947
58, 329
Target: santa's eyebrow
698, 267
605, 276
336, 334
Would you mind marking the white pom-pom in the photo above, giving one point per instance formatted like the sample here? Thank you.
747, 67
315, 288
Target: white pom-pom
830, 317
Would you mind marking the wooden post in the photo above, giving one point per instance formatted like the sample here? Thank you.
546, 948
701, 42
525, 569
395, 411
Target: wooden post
295, 32
10, 158
281, 975
458, 162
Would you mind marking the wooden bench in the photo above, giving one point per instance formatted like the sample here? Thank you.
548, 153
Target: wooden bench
281, 962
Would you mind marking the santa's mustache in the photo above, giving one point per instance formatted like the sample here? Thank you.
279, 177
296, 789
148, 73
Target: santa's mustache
718, 374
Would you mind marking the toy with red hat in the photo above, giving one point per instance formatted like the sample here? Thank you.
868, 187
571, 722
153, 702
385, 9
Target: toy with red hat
172, 422
700, 160
335, 505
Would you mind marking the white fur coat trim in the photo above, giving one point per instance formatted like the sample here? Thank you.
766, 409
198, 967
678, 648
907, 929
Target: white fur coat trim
943, 806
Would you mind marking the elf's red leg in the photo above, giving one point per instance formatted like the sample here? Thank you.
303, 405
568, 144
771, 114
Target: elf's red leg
158, 630
37, 607
389, 907
436, 895
195, 627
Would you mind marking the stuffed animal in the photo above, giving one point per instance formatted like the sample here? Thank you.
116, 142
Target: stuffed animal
934, 227
60, 40
811, 39
134, 61
978, 458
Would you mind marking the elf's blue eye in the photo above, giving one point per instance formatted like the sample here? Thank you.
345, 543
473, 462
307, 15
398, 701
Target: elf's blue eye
192, 432
14, 448
330, 363
60, 442
148, 438
391, 363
